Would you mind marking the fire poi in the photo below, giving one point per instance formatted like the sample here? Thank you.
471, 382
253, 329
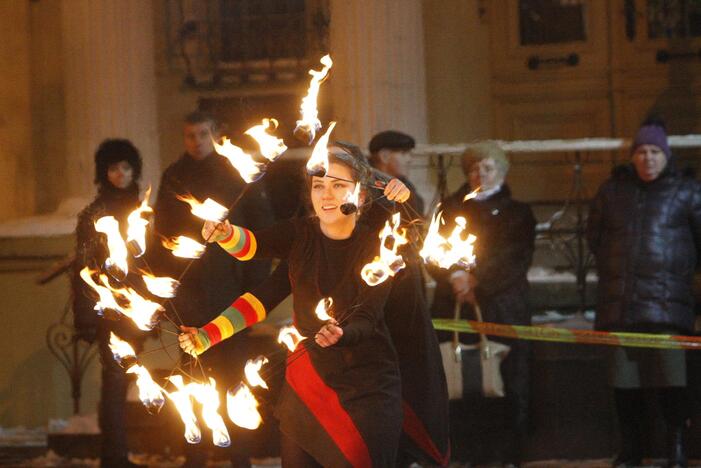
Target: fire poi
241, 402
309, 124
388, 263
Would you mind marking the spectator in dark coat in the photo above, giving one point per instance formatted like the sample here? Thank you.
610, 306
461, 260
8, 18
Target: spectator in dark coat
505, 231
645, 230
117, 171
214, 280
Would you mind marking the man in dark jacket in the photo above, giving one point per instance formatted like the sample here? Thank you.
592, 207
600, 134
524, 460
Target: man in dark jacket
505, 231
645, 230
390, 153
425, 434
214, 280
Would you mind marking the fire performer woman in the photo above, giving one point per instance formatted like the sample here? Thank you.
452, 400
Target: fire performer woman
341, 401
117, 171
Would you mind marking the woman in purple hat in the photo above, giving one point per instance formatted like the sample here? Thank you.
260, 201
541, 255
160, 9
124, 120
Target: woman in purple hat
645, 230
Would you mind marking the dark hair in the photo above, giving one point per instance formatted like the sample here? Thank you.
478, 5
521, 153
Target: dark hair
199, 117
112, 151
391, 139
360, 171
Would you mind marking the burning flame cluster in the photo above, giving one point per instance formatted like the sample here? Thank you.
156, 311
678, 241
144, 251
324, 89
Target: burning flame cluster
389, 262
241, 403
143, 312
270, 148
457, 249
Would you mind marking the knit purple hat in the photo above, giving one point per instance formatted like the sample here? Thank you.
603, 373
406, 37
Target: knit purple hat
652, 134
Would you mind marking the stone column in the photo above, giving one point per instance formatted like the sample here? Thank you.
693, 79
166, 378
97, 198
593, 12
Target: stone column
16, 174
378, 80
110, 84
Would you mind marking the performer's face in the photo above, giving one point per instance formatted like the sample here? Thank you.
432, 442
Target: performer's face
329, 193
198, 139
649, 162
120, 174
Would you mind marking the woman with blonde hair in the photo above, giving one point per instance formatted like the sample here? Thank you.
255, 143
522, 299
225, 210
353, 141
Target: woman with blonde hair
505, 230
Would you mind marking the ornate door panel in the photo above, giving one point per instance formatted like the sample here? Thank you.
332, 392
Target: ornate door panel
548, 37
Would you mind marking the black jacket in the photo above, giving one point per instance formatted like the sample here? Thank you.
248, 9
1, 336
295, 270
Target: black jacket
645, 237
215, 279
505, 231
91, 251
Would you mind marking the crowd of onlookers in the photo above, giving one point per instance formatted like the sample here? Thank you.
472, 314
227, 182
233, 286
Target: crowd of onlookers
644, 229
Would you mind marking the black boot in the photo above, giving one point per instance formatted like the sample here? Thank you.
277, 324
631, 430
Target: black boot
676, 409
676, 448
629, 408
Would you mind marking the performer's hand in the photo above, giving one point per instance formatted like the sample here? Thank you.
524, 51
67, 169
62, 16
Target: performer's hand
395, 190
189, 342
460, 282
214, 232
328, 335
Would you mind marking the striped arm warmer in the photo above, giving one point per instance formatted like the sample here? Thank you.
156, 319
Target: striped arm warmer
244, 312
240, 244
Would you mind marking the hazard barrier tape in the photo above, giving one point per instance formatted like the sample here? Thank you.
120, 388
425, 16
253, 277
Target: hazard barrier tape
567, 335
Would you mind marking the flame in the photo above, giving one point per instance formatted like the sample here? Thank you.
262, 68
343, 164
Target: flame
271, 147
209, 210
252, 371
150, 393
161, 286
243, 162
109, 226
184, 247
389, 262
290, 337
310, 115
120, 348
142, 312
242, 407
472, 194
457, 249
106, 298
183, 403
322, 309
354, 196
136, 232
207, 395
319, 159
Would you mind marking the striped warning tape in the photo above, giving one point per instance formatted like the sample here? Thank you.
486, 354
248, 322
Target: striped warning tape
566, 335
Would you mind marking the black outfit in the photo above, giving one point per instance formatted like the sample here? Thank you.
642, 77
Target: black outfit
91, 251
505, 231
214, 280
340, 405
425, 434
646, 239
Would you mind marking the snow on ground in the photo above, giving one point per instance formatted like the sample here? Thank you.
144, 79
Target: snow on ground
22, 437
539, 274
60, 222
76, 424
